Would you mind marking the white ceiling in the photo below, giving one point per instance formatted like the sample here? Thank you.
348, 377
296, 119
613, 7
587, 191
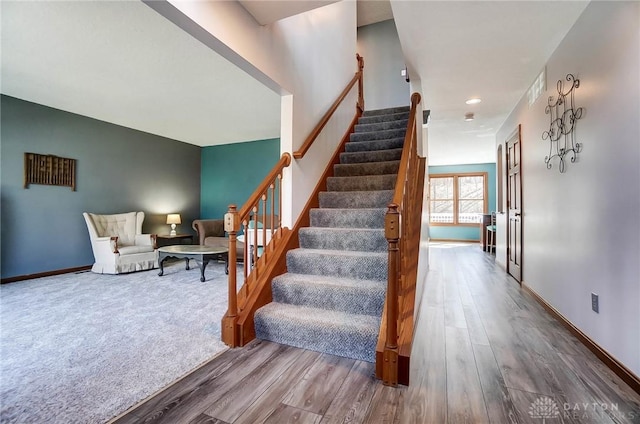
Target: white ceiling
268, 11
123, 63
488, 49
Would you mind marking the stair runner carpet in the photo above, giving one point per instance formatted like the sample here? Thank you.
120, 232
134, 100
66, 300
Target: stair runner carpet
332, 296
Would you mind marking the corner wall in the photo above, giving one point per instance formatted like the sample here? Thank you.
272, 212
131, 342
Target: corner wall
118, 170
379, 45
231, 172
581, 229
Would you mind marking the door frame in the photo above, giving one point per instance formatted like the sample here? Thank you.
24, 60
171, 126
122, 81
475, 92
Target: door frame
516, 134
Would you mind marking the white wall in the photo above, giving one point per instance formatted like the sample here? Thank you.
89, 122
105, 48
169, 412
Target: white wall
380, 47
308, 58
581, 229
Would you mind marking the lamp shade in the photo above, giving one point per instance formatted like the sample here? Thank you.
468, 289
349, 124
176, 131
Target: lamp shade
173, 218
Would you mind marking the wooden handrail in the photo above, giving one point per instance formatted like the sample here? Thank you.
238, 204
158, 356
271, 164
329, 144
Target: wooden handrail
406, 151
400, 225
285, 160
299, 154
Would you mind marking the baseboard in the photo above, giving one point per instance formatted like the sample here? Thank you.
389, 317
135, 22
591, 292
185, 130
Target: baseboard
45, 274
454, 240
616, 366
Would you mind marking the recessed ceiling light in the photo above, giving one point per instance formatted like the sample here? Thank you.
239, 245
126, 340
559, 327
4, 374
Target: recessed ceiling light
473, 101
468, 117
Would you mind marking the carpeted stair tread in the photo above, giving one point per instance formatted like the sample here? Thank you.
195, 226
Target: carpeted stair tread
378, 126
366, 168
378, 135
371, 156
347, 218
361, 146
341, 263
362, 182
387, 111
363, 297
355, 199
334, 332
352, 239
374, 119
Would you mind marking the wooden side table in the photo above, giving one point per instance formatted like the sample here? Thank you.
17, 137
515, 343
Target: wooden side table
166, 239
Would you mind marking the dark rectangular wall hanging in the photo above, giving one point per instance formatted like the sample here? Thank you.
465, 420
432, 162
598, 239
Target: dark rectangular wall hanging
49, 170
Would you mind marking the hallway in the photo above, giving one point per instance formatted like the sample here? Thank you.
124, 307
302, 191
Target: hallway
485, 352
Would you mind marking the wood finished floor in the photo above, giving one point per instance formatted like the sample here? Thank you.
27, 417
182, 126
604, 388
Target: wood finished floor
485, 351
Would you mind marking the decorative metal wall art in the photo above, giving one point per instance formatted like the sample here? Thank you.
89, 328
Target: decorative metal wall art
563, 117
49, 170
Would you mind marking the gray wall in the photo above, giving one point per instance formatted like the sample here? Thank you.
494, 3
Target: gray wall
118, 170
581, 231
379, 45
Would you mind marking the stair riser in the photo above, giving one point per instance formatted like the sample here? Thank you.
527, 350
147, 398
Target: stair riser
375, 119
377, 135
367, 146
347, 218
362, 183
334, 340
381, 126
378, 156
367, 267
371, 168
352, 240
354, 199
386, 111
367, 300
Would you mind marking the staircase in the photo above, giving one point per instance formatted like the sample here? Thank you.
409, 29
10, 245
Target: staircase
332, 296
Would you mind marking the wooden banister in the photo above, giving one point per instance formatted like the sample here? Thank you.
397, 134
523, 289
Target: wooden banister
254, 210
402, 231
299, 154
285, 160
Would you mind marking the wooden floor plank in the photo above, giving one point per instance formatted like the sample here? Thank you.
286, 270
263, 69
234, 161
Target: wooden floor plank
426, 398
319, 385
619, 404
477, 334
205, 419
235, 401
496, 395
352, 401
384, 405
286, 414
267, 403
531, 408
465, 401
189, 404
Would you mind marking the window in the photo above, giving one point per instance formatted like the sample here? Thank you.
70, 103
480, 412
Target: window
457, 199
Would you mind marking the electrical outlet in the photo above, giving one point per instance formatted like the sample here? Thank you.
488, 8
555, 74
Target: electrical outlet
595, 305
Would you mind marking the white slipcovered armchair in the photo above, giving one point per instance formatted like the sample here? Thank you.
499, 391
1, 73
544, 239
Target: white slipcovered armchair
118, 243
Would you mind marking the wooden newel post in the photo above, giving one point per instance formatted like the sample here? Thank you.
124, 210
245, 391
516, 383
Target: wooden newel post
230, 334
390, 356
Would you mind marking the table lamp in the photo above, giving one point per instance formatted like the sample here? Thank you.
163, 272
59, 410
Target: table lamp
173, 219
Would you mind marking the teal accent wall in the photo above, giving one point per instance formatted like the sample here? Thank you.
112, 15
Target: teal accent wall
465, 232
231, 172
